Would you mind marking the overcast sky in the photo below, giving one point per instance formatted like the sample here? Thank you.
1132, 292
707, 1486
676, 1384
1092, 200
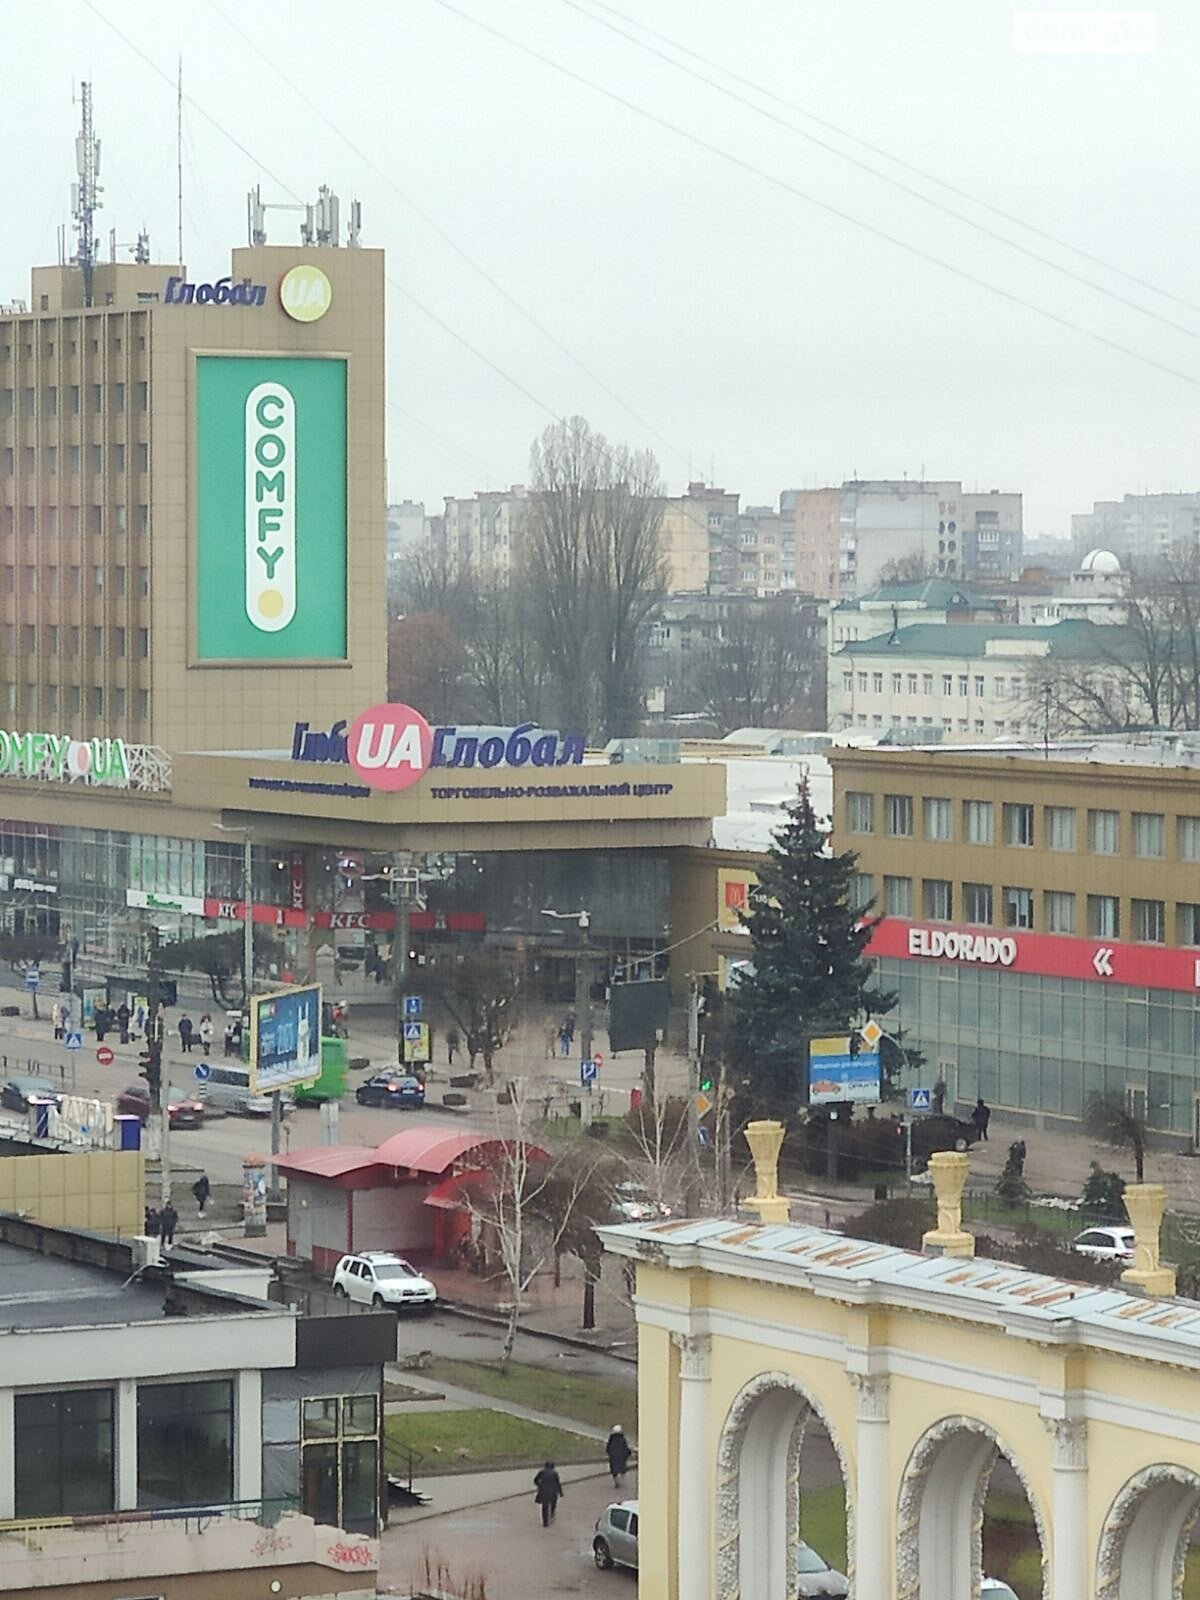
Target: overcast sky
742, 331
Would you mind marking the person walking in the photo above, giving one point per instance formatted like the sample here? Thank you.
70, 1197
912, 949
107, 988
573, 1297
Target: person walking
618, 1452
102, 1018
451, 1045
153, 1223
548, 1492
939, 1097
206, 1035
201, 1189
123, 1016
186, 1029
169, 1221
981, 1115
61, 1015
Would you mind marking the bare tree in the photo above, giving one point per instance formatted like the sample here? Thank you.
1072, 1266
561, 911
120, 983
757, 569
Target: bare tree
480, 993
914, 567
427, 665
765, 670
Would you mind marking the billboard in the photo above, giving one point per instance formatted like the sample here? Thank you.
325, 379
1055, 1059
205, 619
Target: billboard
270, 509
835, 1075
285, 1038
733, 891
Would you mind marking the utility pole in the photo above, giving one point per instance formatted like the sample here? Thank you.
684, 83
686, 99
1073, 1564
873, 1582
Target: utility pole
400, 964
273, 1190
693, 1090
583, 1010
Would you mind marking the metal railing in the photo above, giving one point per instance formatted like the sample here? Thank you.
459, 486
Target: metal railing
264, 1511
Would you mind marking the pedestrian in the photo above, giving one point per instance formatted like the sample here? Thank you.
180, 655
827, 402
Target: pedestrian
451, 1045
564, 1040
1016, 1156
61, 1015
186, 1030
552, 1040
169, 1219
153, 1223
617, 1449
123, 1016
939, 1097
102, 1021
206, 1035
201, 1189
981, 1116
548, 1492
139, 1019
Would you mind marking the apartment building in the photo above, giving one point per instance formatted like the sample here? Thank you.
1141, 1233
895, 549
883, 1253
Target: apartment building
698, 536
481, 533
1142, 530
1041, 916
812, 520
931, 525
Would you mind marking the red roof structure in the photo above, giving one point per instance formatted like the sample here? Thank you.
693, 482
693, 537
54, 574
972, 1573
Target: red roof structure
426, 1150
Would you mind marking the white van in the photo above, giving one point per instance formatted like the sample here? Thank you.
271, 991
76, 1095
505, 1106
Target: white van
227, 1088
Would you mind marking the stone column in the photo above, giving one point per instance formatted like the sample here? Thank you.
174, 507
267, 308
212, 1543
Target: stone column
873, 1539
949, 1170
1069, 1572
1145, 1203
696, 1466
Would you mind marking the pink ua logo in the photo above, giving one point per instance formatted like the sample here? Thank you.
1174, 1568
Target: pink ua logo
389, 747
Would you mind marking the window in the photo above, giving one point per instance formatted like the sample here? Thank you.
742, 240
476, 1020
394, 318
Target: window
51, 401
938, 899
141, 393
73, 458
339, 1473
63, 1444
118, 397
50, 691
1058, 911
185, 1444
862, 890
143, 643
118, 698
979, 684
1187, 923
1188, 838
860, 812
848, 682
143, 705
1104, 916
926, 682
899, 809
97, 580
97, 701
1018, 908
977, 821
118, 642
73, 639
1148, 834
897, 680
119, 580
97, 397
947, 683
862, 683
877, 682
31, 580
97, 643
1104, 832
937, 819
30, 639
97, 458
1018, 825
1149, 921
73, 701
143, 458
977, 902
73, 399
962, 683
1001, 689
898, 896
52, 639
1059, 822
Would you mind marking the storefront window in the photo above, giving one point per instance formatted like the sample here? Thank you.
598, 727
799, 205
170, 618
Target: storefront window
185, 1444
340, 1462
63, 1445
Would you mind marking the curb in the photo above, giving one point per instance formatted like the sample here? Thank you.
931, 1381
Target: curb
573, 1341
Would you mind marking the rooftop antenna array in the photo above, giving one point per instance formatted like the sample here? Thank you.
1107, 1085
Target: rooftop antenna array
322, 219
85, 194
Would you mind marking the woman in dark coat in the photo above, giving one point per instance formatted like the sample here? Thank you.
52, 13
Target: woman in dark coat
618, 1451
549, 1489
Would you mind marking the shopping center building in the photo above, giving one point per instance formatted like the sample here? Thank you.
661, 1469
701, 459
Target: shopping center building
1041, 916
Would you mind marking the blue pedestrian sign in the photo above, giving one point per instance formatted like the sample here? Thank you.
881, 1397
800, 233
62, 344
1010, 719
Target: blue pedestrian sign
413, 1032
703, 1135
203, 1072
33, 980
587, 1072
74, 1039
920, 1099
412, 1006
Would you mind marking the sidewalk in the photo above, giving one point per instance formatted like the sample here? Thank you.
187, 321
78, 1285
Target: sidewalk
457, 1491
451, 1397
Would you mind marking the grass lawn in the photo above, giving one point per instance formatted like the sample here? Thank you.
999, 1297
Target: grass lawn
492, 1439
597, 1401
823, 1522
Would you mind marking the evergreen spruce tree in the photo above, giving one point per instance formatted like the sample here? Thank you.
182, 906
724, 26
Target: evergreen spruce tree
810, 976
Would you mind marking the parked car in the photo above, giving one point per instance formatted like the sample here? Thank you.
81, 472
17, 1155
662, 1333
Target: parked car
1105, 1244
380, 1279
633, 1202
993, 1589
391, 1089
183, 1110
814, 1575
931, 1134
16, 1092
615, 1543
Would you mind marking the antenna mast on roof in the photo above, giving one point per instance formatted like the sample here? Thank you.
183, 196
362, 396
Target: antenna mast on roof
179, 159
85, 194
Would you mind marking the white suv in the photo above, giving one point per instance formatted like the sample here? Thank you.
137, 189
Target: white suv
380, 1279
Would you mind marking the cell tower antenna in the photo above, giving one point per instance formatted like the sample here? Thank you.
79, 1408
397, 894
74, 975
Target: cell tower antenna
179, 158
85, 194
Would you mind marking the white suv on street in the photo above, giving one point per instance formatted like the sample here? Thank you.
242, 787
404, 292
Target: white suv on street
380, 1279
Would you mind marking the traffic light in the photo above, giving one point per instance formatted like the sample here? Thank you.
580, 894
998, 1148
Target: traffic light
151, 1059
706, 1080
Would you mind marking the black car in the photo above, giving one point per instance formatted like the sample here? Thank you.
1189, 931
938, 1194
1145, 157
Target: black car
16, 1092
391, 1089
931, 1134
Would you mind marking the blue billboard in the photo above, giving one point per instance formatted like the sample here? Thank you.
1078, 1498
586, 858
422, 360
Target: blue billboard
285, 1039
835, 1074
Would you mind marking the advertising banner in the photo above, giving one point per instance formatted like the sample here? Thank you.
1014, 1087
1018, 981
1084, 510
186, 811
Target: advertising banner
270, 509
285, 1039
834, 1074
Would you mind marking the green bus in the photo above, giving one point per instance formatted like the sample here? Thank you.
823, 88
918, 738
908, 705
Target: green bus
331, 1085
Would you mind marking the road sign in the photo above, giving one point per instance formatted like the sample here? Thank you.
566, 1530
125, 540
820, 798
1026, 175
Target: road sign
412, 1005
587, 1072
203, 1072
416, 1045
412, 1032
870, 1034
920, 1099
703, 1105
105, 1056
598, 1058
74, 1039
33, 980
703, 1137
834, 1074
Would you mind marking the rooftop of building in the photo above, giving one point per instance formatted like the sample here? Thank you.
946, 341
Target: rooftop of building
38, 1291
1153, 747
936, 593
1074, 638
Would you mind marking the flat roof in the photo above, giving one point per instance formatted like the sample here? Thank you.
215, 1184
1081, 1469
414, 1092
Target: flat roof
39, 1291
1154, 748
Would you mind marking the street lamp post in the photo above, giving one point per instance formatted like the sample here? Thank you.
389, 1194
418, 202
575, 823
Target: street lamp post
583, 988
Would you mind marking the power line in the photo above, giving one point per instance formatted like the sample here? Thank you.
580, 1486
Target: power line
821, 205
899, 161
883, 177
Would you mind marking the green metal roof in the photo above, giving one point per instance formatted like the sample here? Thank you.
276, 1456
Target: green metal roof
1075, 638
939, 594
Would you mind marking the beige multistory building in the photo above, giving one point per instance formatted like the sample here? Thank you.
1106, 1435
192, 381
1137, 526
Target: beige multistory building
153, 584
812, 520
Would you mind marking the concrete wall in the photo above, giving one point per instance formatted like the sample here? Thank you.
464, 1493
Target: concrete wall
100, 1190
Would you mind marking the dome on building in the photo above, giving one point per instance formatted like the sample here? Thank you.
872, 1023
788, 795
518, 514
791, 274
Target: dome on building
1102, 562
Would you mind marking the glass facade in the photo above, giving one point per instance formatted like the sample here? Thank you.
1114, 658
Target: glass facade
1044, 1044
185, 1444
63, 1453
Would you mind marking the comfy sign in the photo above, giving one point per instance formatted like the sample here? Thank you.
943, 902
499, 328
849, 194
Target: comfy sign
270, 507
390, 747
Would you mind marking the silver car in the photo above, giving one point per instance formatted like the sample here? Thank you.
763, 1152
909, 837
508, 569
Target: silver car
616, 1540
814, 1575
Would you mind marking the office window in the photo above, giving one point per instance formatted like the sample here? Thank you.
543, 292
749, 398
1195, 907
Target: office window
977, 902
1148, 834
143, 643
979, 683
947, 683
143, 458
52, 638
118, 458
63, 1445
73, 700
97, 458
118, 707
1188, 838
143, 519
1001, 689
118, 642
877, 682
862, 890
1104, 832
1187, 923
899, 811
97, 643
143, 705
1149, 921
6, 402
185, 1444
1018, 825
937, 896
97, 580
28, 402
97, 701
119, 509
97, 397
31, 574
898, 896
119, 581
1018, 908
73, 639
1104, 916
937, 819
1058, 911
143, 581
50, 694
51, 401
30, 633
72, 580
141, 393
118, 394
1060, 827
860, 812
73, 399
978, 821
73, 458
